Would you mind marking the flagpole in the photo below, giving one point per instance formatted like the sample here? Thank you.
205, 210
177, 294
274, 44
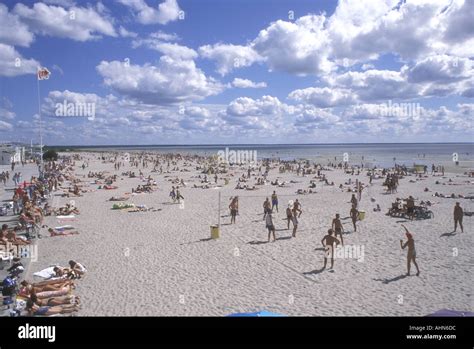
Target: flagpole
40, 123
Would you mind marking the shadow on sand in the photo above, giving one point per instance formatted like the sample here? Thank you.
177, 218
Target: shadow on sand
314, 272
448, 234
396, 278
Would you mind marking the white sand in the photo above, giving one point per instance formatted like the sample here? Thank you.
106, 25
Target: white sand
161, 263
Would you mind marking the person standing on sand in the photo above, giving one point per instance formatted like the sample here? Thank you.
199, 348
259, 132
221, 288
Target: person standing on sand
410, 207
274, 201
266, 208
411, 255
172, 194
328, 242
289, 216
233, 210
270, 226
297, 208
458, 215
354, 216
354, 200
337, 226
295, 224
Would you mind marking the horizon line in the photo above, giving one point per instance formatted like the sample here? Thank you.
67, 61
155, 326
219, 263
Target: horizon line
244, 144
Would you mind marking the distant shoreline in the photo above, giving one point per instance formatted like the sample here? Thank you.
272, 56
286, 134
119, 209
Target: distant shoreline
248, 145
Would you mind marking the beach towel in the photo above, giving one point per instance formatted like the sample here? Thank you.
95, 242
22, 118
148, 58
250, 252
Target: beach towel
47, 273
64, 227
122, 206
66, 218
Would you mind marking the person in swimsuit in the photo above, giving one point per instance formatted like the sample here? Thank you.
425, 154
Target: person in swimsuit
411, 255
233, 210
266, 207
274, 201
294, 219
54, 301
289, 216
354, 200
56, 232
35, 309
337, 226
410, 207
458, 214
270, 226
78, 269
328, 242
297, 208
354, 213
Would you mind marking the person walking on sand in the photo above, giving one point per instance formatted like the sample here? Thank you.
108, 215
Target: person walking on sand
337, 226
270, 226
411, 255
354, 213
458, 215
274, 201
328, 242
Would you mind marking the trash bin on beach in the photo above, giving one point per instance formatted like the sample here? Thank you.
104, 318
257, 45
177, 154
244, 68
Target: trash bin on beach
361, 215
214, 232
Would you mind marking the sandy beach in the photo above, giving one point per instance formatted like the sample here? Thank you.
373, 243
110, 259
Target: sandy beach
163, 262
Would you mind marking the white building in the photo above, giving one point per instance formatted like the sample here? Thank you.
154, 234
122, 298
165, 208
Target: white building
9, 154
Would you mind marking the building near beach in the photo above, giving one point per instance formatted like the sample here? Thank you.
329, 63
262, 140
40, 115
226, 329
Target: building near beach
10, 153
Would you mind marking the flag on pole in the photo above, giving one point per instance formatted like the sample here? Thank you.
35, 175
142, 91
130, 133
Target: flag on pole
43, 73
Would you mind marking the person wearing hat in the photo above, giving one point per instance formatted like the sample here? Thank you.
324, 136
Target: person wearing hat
411, 255
458, 214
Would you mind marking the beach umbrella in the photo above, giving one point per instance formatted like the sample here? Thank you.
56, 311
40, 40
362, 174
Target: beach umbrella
451, 313
262, 313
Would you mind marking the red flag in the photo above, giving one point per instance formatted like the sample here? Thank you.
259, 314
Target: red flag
43, 74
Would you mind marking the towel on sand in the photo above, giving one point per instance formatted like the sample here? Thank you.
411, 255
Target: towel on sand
47, 273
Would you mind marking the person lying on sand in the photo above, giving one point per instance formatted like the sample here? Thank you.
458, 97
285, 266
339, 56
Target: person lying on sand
47, 291
34, 309
71, 299
118, 198
55, 232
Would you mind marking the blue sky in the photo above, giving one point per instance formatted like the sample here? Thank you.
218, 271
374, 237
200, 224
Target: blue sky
238, 71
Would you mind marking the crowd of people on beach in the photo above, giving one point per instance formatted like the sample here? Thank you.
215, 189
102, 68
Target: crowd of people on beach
31, 202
